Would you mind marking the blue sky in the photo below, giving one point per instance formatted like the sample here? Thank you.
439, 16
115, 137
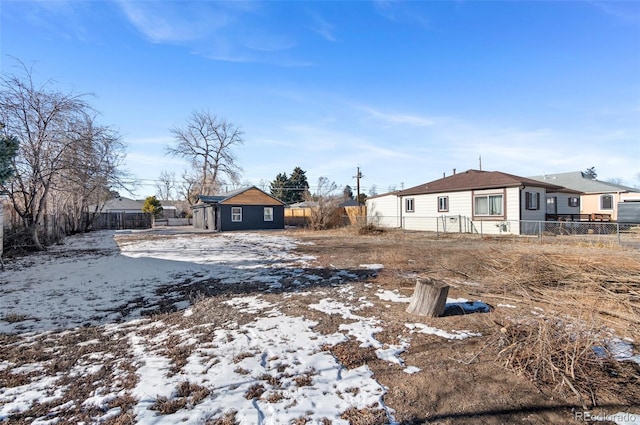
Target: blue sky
405, 90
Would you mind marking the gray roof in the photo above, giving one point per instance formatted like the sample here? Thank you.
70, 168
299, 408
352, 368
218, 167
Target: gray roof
577, 180
121, 203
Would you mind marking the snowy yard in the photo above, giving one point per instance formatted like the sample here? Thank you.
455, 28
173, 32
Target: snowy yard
271, 368
166, 328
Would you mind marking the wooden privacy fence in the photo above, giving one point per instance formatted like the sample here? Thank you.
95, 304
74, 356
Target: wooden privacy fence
342, 216
119, 221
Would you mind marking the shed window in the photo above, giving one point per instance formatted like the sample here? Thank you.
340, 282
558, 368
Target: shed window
574, 201
268, 213
532, 200
409, 205
236, 214
443, 203
490, 205
606, 202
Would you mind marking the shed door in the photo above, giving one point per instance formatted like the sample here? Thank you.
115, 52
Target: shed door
552, 205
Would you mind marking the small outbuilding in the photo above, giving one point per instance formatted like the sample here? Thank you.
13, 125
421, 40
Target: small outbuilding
244, 209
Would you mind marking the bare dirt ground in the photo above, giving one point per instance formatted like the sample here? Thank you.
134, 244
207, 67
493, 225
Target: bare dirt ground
534, 362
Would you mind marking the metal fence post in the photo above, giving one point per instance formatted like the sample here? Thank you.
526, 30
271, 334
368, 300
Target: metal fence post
618, 231
540, 231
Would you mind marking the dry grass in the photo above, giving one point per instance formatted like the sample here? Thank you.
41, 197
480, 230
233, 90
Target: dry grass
254, 391
368, 416
554, 352
568, 299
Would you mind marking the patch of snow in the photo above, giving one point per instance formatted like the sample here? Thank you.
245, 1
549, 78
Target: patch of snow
507, 306
619, 349
422, 328
249, 304
372, 266
393, 296
411, 370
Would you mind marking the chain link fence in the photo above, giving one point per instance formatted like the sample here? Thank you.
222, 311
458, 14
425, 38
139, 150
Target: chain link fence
627, 234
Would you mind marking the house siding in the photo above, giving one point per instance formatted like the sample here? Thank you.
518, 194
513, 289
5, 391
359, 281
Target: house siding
459, 217
252, 217
384, 211
537, 214
590, 203
562, 203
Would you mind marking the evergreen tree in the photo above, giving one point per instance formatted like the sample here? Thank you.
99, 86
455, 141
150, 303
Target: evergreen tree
347, 193
297, 186
8, 150
278, 187
590, 173
153, 206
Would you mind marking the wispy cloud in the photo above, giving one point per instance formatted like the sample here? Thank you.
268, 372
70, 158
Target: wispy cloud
398, 118
222, 31
65, 19
173, 22
401, 12
625, 11
322, 27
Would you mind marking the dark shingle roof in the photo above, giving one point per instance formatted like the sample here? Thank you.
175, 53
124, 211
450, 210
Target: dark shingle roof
473, 180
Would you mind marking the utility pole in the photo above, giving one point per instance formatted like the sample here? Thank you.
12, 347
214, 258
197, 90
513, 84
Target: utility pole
480, 161
358, 176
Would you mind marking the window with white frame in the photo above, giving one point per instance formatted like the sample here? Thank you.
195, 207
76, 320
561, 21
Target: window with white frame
443, 203
532, 200
268, 213
489, 205
236, 214
574, 201
409, 205
606, 202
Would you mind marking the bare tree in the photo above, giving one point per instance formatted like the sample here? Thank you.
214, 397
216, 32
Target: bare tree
166, 185
94, 169
324, 203
65, 159
207, 142
41, 120
188, 189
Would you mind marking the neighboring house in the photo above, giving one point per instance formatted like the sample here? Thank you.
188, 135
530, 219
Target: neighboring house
597, 197
118, 213
473, 201
169, 209
121, 204
244, 209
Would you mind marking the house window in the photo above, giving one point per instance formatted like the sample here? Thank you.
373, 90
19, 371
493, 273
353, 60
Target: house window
574, 201
268, 213
532, 200
409, 205
490, 205
236, 214
606, 202
443, 203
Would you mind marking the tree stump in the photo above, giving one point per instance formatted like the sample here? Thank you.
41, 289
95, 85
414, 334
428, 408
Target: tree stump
429, 298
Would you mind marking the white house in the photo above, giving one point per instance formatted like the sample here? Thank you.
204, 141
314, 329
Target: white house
488, 202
